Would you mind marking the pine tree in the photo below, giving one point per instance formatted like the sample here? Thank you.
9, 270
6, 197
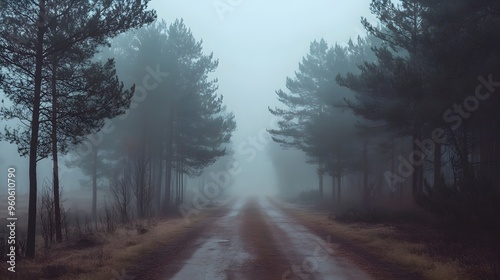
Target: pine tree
199, 123
27, 46
392, 89
182, 116
305, 100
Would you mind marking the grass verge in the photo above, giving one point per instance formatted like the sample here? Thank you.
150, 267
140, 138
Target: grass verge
383, 241
100, 255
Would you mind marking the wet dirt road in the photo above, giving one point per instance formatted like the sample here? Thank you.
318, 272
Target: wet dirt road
256, 240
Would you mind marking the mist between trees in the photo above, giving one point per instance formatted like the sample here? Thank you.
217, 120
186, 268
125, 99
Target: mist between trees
405, 101
176, 126
129, 99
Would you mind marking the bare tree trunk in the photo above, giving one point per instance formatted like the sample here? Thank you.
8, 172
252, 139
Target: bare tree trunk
339, 187
183, 185
393, 165
150, 190
333, 190
399, 151
169, 160
179, 183
94, 183
159, 180
468, 176
55, 167
497, 153
366, 191
168, 179
417, 174
320, 179
35, 125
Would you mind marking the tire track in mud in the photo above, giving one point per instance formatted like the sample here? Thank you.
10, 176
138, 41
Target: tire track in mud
164, 261
252, 238
310, 256
370, 262
257, 235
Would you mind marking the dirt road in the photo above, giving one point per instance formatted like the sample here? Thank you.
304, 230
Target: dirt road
254, 239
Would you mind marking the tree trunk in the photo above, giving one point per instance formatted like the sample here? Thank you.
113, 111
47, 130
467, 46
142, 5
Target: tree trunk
94, 183
320, 179
179, 182
168, 179
333, 191
55, 167
159, 180
144, 178
399, 152
339, 187
179, 167
35, 125
168, 160
468, 176
366, 191
150, 166
393, 166
182, 187
417, 172
497, 152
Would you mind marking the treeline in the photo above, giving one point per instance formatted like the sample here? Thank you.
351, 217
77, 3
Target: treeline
175, 128
63, 84
413, 105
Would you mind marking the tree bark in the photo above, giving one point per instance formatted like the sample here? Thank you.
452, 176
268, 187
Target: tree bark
339, 187
159, 180
168, 179
468, 176
94, 183
35, 125
417, 174
169, 139
497, 153
320, 179
55, 167
333, 191
366, 191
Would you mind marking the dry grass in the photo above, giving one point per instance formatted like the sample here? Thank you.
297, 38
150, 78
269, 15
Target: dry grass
383, 241
100, 256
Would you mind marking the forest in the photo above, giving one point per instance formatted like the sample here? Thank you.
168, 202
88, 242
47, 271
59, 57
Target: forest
406, 115
178, 130
399, 124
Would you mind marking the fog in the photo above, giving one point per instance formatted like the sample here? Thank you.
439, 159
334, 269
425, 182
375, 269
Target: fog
226, 139
258, 44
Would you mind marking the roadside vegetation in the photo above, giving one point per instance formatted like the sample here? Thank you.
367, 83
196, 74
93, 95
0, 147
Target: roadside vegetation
415, 242
99, 249
127, 99
401, 126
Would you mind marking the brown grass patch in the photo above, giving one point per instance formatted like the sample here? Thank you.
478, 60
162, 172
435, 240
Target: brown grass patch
382, 241
101, 256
